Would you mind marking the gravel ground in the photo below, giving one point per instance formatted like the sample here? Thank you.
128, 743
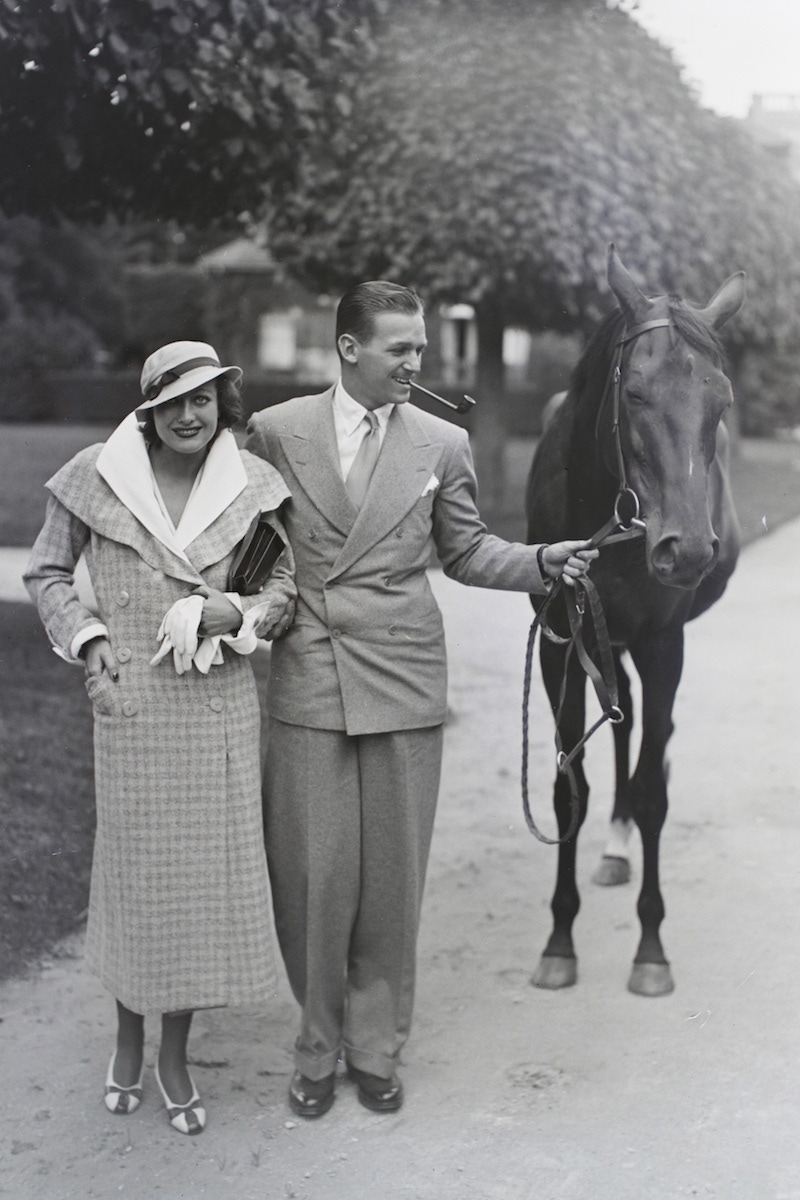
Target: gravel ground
511, 1093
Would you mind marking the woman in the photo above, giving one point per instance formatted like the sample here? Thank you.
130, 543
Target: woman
179, 913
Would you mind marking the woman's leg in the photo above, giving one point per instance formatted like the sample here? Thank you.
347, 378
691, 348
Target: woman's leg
130, 1046
172, 1056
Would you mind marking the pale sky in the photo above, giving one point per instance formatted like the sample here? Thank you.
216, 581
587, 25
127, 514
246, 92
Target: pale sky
730, 49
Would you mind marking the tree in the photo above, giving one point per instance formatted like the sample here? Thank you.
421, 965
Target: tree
60, 306
167, 108
496, 147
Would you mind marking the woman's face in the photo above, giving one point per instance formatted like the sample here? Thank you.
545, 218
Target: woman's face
188, 423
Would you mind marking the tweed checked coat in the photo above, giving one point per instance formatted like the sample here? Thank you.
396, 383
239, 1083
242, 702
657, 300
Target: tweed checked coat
366, 653
179, 914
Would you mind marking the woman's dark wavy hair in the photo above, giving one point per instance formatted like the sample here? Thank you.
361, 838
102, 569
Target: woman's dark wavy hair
229, 401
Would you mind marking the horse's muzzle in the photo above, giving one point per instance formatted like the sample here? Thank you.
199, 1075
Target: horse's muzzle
682, 562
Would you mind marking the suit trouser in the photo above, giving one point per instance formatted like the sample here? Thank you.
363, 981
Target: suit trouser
348, 822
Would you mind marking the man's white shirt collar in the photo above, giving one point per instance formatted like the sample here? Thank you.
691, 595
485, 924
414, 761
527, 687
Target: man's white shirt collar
350, 413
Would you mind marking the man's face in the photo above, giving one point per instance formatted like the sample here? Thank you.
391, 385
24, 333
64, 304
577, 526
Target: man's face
377, 371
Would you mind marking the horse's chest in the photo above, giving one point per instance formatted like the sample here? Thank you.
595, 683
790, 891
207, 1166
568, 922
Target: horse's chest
634, 604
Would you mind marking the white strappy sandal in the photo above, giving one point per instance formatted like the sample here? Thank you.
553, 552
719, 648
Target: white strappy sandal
186, 1118
118, 1099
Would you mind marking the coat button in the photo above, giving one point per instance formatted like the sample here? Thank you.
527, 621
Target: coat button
399, 531
130, 708
123, 655
312, 535
123, 598
392, 630
335, 633
216, 704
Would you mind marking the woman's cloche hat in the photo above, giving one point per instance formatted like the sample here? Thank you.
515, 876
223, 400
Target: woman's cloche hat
180, 367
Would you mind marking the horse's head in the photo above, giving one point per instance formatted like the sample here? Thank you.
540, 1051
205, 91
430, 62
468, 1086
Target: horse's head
672, 394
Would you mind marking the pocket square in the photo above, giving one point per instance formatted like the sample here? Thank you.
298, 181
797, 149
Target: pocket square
430, 486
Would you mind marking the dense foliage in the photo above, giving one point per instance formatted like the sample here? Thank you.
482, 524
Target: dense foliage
484, 150
171, 108
60, 305
493, 153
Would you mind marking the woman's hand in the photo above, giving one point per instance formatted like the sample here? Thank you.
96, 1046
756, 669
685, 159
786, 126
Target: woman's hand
99, 657
220, 615
568, 560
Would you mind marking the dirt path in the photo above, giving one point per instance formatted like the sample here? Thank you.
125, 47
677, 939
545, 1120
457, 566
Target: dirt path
589, 1094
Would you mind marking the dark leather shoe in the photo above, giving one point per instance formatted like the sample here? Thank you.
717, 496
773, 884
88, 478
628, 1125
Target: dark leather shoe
381, 1095
311, 1097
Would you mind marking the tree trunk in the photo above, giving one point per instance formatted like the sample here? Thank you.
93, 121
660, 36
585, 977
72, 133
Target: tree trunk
488, 428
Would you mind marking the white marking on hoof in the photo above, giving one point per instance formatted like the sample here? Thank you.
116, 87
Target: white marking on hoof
651, 979
554, 972
612, 871
619, 834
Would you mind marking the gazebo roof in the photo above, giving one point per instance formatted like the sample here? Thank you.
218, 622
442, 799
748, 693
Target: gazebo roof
242, 254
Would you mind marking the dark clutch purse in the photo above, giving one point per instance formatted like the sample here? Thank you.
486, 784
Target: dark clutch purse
255, 557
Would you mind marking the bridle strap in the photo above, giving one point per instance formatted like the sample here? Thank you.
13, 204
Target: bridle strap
614, 384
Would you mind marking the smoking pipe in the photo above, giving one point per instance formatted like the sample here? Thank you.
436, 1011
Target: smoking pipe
463, 406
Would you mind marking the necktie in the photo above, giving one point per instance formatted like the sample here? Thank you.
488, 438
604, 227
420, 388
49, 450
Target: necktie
364, 462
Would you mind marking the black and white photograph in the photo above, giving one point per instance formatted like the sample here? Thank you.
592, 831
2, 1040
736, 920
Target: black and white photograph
399, 542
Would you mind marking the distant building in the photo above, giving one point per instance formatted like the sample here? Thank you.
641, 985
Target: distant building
774, 121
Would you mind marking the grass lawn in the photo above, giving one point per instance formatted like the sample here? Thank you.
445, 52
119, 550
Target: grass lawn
46, 790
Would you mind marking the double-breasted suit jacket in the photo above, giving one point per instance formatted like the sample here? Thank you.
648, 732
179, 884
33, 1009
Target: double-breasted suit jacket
179, 909
358, 696
366, 652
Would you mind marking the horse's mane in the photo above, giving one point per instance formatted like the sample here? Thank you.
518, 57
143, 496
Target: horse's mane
590, 373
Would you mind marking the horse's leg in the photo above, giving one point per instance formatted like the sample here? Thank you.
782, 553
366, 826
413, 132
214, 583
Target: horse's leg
558, 965
659, 662
614, 867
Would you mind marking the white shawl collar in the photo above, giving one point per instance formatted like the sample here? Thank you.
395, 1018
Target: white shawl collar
125, 465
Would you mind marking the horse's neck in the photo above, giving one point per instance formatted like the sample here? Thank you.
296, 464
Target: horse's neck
591, 451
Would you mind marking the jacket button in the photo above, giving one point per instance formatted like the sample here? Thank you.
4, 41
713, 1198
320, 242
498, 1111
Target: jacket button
130, 708
123, 655
387, 581
312, 535
123, 598
392, 630
399, 531
216, 704
335, 633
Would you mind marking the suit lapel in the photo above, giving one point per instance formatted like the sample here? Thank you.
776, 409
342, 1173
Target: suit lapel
408, 458
312, 451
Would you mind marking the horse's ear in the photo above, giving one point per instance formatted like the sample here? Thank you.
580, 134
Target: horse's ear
630, 297
726, 301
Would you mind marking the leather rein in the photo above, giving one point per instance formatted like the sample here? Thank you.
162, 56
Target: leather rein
624, 524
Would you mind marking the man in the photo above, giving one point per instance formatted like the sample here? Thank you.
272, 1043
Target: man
358, 689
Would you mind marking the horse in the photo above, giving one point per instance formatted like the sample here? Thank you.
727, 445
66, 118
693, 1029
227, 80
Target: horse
638, 444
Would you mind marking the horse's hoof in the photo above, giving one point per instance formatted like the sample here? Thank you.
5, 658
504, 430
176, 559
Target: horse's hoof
555, 972
612, 870
651, 979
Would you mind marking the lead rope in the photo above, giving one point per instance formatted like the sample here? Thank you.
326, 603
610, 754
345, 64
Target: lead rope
604, 681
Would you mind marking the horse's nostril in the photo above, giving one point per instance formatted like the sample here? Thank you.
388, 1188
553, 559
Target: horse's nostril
680, 558
664, 553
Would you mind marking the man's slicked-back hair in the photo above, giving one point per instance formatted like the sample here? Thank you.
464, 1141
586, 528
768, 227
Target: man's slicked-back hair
359, 307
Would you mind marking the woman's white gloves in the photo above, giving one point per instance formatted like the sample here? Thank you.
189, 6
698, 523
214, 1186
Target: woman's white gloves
178, 633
